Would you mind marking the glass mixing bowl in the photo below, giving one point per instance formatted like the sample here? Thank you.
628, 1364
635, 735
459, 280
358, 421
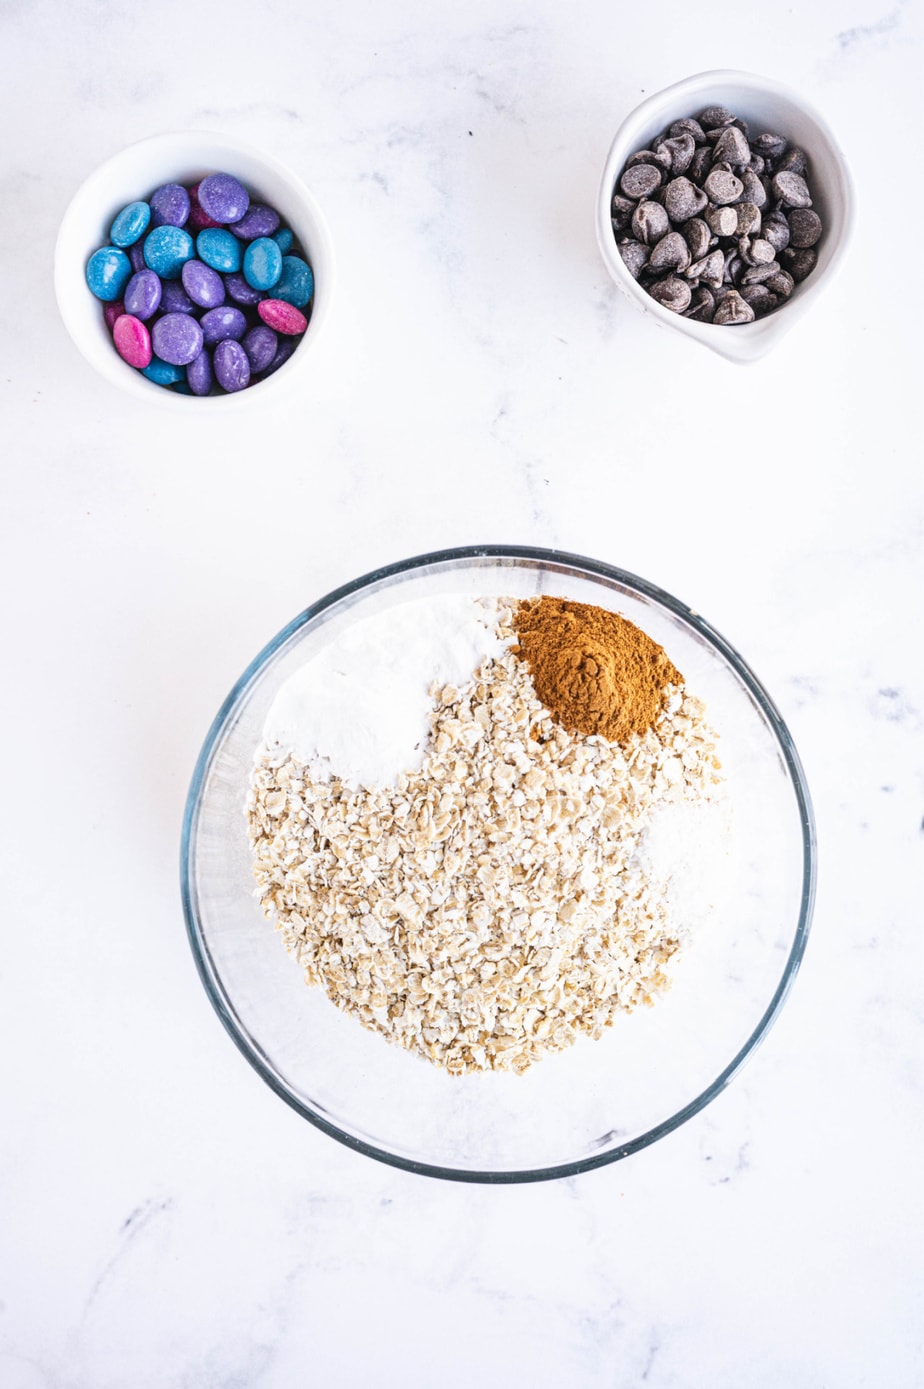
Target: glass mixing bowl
577, 1109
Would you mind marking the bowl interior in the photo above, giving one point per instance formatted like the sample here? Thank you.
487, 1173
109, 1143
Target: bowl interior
765, 105
598, 1100
135, 172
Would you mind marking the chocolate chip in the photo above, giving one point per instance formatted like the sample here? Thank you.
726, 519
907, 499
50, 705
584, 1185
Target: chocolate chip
697, 236
753, 188
681, 149
689, 126
723, 220
702, 306
715, 116
748, 219
791, 189
634, 256
671, 253
794, 161
649, 222
770, 146
723, 187
731, 147
805, 227
683, 199
622, 210
700, 164
734, 309
672, 292
640, 180
708, 270
775, 229
799, 263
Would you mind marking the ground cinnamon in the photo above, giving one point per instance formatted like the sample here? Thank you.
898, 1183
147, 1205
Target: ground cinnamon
595, 671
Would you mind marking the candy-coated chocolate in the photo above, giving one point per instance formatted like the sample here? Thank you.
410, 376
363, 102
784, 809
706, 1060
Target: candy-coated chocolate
130, 224
237, 288
132, 340
260, 344
219, 249
162, 373
166, 251
113, 311
176, 338
296, 282
136, 256
223, 198
204, 285
143, 294
108, 272
199, 373
283, 317
231, 366
225, 322
169, 206
283, 352
262, 263
174, 298
258, 220
283, 239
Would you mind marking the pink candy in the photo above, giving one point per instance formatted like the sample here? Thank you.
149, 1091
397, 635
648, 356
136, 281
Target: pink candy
283, 317
132, 340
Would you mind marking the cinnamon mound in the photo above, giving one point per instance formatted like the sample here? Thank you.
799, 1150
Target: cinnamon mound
595, 671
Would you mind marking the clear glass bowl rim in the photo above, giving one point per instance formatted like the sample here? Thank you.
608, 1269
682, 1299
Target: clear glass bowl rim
550, 558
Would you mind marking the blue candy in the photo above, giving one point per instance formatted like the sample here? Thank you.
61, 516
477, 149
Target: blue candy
131, 224
108, 272
262, 263
296, 282
283, 239
167, 249
163, 373
219, 249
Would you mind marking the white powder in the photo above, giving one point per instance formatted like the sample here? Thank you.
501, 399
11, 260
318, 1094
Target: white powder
359, 709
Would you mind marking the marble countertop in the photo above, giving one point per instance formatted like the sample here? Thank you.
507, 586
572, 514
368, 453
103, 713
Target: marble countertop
167, 1222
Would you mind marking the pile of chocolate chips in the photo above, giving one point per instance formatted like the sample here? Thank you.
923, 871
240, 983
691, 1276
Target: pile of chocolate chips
714, 225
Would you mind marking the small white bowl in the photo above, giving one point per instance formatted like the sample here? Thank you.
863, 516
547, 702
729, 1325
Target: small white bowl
183, 157
765, 105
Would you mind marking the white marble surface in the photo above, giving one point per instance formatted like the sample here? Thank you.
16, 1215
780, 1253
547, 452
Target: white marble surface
167, 1222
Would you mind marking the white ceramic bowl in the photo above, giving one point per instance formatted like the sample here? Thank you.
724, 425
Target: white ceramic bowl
765, 105
183, 157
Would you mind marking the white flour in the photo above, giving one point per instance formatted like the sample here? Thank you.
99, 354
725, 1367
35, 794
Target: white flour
358, 710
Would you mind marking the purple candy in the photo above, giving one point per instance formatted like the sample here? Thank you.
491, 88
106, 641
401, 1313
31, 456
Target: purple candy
136, 256
259, 220
176, 338
283, 352
260, 345
174, 298
199, 373
222, 198
240, 291
232, 368
226, 322
143, 294
112, 311
169, 206
204, 285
